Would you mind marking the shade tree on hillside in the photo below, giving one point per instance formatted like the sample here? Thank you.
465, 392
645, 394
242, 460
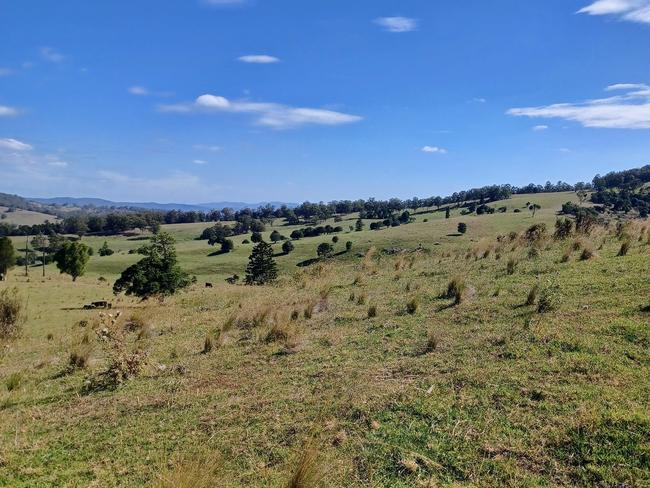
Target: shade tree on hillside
227, 245
7, 257
324, 250
256, 237
287, 247
72, 258
534, 208
157, 274
261, 267
105, 250
462, 228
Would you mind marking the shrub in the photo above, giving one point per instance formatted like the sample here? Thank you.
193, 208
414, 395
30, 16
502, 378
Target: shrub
511, 266
535, 232
462, 228
549, 299
227, 245
335, 239
287, 247
11, 313
563, 229
324, 250
372, 311
412, 306
456, 290
625, 247
105, 250
348, 246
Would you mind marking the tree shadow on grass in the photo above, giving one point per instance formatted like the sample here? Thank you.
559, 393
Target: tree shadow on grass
454, 235
645, 309
217, 253
307, 262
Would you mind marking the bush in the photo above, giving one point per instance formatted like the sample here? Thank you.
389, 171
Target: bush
462, 228
227, 245
287, 247
348, 246
335, 239
11, 313
105, 250
549, 300
563, 229
432, 342
324, 250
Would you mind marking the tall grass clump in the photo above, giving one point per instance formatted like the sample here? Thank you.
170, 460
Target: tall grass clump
511, 266
625, 248
13, 381
372, 311
456, 290
202, 471
307, 473
587, 253
549, 299
12, 312
412, 306
532, 295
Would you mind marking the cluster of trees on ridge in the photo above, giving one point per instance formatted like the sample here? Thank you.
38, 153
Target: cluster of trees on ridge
117, 222
619, 191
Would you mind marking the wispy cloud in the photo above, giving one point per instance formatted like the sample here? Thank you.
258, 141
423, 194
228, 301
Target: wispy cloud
630, 110
6, 111
259, 59
6, 72
206, 147
397, 24
630, 10
223, 3
177, 185
142, 91
540, 128
52, 55
434, 150
14, 145
200, 162
273, 115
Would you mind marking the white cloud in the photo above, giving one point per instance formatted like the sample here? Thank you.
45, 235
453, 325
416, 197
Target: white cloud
200, 162
206, 147
540, 128
397, 24
631, 10
479, 100
273, 115
138, 90
7, 111
51, 55
630, 110
433, 150
6, 72
258, 59
14, 145
58, 164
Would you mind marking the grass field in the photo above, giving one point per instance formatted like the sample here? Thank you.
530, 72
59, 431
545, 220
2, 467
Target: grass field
25, 217
353, 370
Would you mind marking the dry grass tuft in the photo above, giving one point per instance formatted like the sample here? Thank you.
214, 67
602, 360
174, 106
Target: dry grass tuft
412, 306
308, 472
372, 311
202, 471
625, 248
12, 313
532, 295
456, 290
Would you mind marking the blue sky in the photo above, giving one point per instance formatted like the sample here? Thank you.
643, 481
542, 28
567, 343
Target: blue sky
251, 100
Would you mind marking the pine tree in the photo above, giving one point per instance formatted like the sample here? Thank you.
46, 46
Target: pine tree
261, 267
447, 213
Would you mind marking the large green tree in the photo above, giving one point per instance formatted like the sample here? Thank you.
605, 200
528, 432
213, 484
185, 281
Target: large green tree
72, 258
261, 267
7, 256
157, 274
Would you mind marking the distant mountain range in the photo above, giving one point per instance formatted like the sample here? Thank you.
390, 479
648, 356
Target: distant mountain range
199, 207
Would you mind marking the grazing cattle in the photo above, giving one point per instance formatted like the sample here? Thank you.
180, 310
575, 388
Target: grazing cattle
208, 285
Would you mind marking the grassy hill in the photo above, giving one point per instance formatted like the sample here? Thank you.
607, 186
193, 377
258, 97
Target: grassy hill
25, 217
355, 371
